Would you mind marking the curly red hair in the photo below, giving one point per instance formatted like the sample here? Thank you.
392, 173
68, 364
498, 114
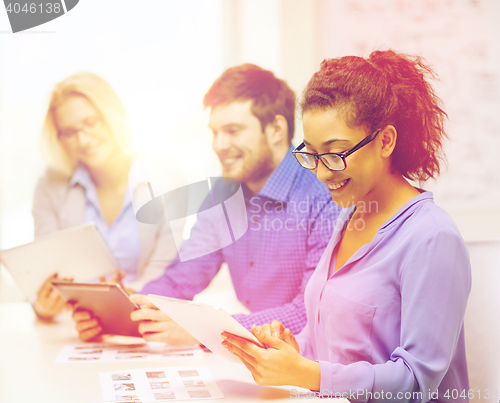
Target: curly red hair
388, 88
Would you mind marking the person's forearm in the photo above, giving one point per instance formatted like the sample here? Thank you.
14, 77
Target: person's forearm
308, 374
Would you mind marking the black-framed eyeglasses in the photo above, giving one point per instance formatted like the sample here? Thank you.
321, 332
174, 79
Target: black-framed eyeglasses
333, 161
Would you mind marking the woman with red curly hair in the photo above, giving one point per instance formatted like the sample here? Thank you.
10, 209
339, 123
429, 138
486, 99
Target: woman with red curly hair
386, 303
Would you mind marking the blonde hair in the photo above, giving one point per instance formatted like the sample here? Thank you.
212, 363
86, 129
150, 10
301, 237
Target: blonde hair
100, 94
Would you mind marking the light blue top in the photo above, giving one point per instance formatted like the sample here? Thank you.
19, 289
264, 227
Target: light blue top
122, 236
391, 319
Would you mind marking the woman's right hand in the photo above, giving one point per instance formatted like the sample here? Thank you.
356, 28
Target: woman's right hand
279, 361
49, 303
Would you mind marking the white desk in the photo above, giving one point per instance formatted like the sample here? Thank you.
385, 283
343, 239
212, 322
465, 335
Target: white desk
28, 372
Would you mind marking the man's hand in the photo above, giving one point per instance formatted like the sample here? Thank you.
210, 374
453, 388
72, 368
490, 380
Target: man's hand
87, 326
157, 326
116, 278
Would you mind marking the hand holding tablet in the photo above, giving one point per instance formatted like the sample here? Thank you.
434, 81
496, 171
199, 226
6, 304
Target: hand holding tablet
109, 304
204, 322
49, 302
155, 325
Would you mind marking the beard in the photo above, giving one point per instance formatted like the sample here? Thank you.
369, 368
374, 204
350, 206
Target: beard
254, 166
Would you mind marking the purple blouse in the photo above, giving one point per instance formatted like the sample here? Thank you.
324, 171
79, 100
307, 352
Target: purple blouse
388, 324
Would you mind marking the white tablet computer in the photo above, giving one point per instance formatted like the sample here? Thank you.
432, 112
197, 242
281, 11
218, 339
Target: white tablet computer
204, 322
79, 253
108, 302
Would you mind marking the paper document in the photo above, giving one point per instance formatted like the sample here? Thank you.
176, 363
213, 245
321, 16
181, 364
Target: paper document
158, 384
137, 352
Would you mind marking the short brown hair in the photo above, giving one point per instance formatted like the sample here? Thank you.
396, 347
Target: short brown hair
270, 96
388, 88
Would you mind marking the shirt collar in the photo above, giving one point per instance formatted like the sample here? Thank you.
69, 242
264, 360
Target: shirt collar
414, 203
279, 184
81, 177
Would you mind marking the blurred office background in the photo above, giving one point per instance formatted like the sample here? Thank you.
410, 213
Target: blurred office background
162, 55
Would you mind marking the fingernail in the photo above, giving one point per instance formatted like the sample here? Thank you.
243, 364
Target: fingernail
276, 334
223, 335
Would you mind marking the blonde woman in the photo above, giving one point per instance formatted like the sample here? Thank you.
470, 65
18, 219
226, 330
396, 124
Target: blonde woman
87, 142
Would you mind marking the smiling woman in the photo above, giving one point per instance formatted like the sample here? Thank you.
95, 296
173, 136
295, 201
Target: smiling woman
83, 104
83, 134
88, 145
386, 303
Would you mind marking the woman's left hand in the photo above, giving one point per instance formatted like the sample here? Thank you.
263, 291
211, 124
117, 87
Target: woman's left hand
278, 364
